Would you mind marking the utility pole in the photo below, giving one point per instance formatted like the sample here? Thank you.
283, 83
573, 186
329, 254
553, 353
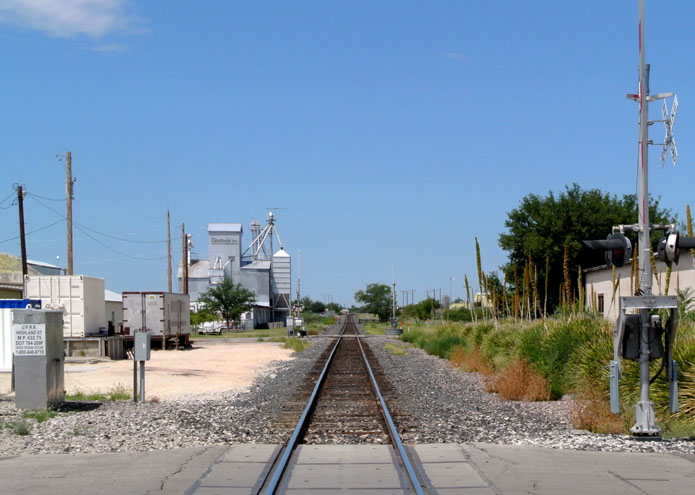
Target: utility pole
168, 251
68, 196
412, 299
20, 204
184, 260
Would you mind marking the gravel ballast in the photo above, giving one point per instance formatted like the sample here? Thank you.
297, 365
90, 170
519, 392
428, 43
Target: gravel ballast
439, 404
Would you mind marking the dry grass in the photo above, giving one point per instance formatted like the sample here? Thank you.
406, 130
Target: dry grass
592, 412
519, 381
470, 360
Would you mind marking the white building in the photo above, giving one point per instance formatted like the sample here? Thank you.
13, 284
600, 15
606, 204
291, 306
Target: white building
599, 283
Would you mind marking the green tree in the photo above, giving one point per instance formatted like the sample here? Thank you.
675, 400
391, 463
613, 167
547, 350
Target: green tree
541, 225
201, 316
229, 300
376, 299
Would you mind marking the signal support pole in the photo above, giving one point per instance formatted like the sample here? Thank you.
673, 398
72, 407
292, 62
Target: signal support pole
645, 424
644, 409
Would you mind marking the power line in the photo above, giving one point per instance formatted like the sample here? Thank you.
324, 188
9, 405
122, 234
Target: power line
116, 250
113, 197
34, 231
48, 199
8, 197
102, 233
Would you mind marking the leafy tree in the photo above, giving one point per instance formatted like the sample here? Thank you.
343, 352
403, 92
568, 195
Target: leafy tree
376, 299
228, 299
201, 316
335, 307
312, 306
421, 311
541, 226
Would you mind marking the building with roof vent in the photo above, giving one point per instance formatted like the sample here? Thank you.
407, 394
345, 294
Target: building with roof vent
258, 268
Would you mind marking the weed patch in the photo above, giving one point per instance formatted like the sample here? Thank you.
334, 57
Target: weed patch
20, 427
519, 381
39, 416
395, 349
592, 412
119, 392
297, 345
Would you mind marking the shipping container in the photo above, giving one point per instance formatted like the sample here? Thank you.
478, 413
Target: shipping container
80, 298
160, 313
6, 306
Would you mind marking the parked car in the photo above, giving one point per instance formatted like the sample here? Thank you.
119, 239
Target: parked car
210, 327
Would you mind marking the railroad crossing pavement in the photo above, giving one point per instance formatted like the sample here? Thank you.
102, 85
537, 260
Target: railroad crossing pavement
469, 469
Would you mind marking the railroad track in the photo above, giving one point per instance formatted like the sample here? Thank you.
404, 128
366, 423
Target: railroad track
345, 405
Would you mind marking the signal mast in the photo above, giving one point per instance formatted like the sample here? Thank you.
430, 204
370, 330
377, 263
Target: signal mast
639, 333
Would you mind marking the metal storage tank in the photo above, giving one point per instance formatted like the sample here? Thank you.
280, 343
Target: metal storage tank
164, 314
80, 298
281, 280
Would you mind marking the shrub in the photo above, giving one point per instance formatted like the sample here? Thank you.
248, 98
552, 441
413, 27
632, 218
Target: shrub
297, 345
519, 381
40, 416
591, 411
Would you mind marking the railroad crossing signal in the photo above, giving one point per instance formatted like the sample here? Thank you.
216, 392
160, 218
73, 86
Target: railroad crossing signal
669, 141
617, 248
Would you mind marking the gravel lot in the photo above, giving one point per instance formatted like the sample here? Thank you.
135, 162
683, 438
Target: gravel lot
440, 404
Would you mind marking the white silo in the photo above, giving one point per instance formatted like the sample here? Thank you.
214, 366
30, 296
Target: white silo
281, 282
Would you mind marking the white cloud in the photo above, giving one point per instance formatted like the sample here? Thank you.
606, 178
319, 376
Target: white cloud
68, 18
456, 56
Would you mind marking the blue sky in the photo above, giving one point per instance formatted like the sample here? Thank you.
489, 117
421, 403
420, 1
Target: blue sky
392, 132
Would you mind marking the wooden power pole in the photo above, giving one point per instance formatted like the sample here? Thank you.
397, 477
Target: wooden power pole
20, 204
184, 260
168, 251
68, 194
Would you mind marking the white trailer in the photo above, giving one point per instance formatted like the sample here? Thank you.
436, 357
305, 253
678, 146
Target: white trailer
80, 298
162, 314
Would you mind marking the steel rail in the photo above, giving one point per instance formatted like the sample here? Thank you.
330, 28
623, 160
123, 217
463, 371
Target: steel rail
301, 425
393, 433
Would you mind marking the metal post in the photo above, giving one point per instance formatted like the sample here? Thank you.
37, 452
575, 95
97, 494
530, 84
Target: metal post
644, 409
142, 381
135, 380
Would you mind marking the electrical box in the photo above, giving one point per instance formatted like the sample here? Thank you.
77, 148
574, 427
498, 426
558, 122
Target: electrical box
37, 345
141, 350
631, 339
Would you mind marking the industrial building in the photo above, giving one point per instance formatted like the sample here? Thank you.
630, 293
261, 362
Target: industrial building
258, 268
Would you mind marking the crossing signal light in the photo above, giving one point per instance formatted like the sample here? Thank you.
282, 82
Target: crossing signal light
670, 246
617, 248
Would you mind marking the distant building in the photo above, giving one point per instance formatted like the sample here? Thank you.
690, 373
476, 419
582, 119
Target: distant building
268, 277
114, 308
599, 283
11, 282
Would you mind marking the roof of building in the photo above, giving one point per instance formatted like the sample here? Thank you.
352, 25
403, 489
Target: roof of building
42, 263
224, 227
11, 271
111, 296
198, 269
257, 265
281, 253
